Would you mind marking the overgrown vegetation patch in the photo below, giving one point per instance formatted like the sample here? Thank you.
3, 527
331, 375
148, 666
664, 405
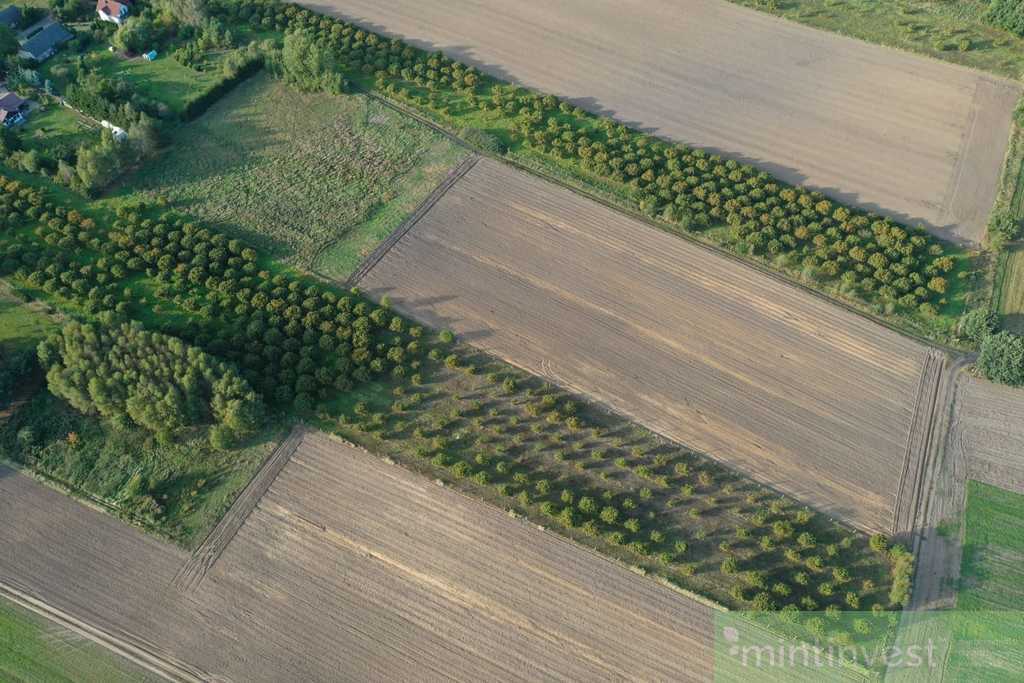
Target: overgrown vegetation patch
298, 174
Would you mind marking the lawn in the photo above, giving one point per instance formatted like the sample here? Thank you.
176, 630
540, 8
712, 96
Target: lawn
318, 180
33, 649
22, 325
164, 79
952, 31
54, 129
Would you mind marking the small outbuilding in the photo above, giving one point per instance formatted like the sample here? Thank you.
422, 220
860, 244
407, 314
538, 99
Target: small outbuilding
150, 56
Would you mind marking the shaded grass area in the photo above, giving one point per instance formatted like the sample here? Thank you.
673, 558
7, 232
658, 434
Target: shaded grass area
987, 628
22, 325
34, 650
1010, 296
179, 489
953, 31
992, 572
53, 129
318, 180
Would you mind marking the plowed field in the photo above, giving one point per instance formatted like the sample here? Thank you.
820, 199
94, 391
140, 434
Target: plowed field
755, 372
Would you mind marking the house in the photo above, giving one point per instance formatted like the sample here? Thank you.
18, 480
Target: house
115, 11
12, 108
44, 44
10, 17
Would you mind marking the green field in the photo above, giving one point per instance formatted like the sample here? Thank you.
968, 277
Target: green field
1010, 296
987, 625
992, 573
936, 28
316, 179
21, 325
35, 650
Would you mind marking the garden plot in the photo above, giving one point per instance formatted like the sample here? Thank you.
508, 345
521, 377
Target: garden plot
886, 130
757, 373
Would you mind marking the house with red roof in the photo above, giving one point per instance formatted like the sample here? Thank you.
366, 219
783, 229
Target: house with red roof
114, 11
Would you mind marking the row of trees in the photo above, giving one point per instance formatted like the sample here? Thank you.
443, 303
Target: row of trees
131, 376
874, 258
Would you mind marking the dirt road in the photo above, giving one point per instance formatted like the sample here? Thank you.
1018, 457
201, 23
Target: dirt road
349, 568
915, 138
781, 384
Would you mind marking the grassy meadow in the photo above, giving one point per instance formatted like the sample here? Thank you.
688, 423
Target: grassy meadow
317, 180
992, 573
37, 651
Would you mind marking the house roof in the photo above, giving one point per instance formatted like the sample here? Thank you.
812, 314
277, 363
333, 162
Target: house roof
50, 37
10, 16
11, 102
112, 7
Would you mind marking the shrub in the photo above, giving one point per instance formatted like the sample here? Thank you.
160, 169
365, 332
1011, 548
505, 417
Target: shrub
978, 324
1002, 358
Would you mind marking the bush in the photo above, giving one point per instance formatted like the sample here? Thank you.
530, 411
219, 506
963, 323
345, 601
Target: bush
1002, 358
978, 324
1002, 228
1007, 14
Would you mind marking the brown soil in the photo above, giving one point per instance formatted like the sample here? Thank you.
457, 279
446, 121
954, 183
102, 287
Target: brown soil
779, 383
353, 569
918, 139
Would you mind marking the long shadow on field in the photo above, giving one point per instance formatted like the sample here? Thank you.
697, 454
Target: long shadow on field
426, 313
466, 54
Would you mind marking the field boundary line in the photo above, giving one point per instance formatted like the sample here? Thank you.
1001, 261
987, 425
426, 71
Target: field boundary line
141, 656
192, 573
637, 216
915, 454
375, 257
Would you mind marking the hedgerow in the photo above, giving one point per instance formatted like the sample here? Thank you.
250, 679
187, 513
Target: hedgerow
870, 257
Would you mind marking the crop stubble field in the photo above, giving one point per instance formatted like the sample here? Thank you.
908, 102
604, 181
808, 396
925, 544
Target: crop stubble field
910, 137
988, 430
351, 567
799, 393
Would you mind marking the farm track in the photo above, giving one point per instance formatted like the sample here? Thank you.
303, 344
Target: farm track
382, 249
350, 568
798, 393
194, 571
915, 138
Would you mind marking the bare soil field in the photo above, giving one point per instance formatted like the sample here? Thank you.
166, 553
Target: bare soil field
350, 568
799, 393
988, 429
914, 138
